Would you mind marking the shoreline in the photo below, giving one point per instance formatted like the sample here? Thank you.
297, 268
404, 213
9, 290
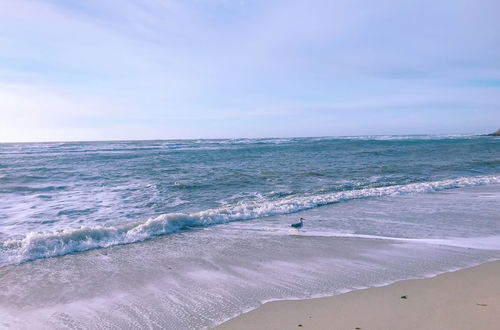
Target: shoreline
463, 299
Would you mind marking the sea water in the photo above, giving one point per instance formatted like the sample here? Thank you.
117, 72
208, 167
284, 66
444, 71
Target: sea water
188, 233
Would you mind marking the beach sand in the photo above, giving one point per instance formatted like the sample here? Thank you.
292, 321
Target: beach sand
465, 299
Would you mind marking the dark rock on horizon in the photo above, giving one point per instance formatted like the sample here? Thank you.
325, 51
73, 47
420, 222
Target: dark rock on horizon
497, 133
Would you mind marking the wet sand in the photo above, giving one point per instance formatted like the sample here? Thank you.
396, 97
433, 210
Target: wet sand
465, 299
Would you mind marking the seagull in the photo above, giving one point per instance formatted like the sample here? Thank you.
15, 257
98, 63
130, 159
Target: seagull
298, 224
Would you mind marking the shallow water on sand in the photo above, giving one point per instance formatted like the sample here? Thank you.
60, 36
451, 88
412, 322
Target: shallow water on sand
200, 277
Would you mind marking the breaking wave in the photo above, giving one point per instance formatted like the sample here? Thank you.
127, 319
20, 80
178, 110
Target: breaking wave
38, 245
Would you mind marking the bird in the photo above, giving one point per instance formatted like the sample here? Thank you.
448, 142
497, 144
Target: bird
298, 224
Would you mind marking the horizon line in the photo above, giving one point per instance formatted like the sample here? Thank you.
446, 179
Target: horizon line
249, 138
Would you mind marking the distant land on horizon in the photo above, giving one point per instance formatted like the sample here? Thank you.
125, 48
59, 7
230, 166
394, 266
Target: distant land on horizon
497, 133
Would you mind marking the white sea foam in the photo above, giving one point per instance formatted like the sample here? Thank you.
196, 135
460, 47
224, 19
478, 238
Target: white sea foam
407, 137
49, 244
481, 243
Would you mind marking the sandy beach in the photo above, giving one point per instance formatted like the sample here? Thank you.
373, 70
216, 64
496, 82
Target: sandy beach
464, 299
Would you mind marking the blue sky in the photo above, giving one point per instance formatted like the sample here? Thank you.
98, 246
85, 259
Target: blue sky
160, 69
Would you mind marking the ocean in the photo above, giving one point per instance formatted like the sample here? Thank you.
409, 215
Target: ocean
184, 234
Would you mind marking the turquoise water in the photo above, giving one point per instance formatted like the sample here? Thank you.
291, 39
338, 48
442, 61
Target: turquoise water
59, 198
186, 234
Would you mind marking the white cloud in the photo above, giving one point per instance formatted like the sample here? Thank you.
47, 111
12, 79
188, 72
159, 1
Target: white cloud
86, 70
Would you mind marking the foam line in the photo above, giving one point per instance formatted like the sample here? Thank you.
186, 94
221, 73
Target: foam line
43, 245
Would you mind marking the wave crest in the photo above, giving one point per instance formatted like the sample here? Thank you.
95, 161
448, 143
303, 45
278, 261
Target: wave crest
50, 244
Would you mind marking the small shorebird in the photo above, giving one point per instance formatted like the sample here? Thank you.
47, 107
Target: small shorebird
298, 224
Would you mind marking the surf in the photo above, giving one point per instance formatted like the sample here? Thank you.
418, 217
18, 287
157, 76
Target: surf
36, 245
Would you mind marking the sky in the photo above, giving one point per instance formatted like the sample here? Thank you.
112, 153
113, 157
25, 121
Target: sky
74, 70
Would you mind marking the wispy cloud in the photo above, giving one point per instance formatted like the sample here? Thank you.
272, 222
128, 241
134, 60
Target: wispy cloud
214, 68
